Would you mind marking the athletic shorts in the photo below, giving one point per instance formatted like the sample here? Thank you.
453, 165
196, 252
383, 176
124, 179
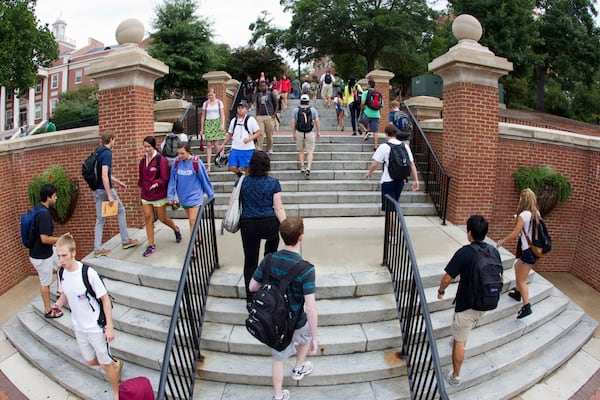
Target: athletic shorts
93, 345
372, 124
393, 188
240, 158
156, 203
305, 141
45, 267
302, 337
463, 322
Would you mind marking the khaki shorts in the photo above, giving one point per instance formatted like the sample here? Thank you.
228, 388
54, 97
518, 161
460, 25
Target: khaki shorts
305, 141
463, 322
327, 91
93, 345
45, 267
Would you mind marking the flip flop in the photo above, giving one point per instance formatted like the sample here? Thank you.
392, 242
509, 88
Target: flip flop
54, 313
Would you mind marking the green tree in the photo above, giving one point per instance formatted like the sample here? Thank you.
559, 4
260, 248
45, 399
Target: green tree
25, 45
363, 27
252, 61
77, 108
182, 40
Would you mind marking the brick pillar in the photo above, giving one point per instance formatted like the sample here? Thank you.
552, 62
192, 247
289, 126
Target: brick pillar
470, 119
221, 81
126, 107
382, 84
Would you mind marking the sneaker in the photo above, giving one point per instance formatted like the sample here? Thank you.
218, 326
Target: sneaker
360, 130
285, 395
307, 174
303, 170
103, 252
354, 133
515, 294
270, 152
451, 379
130, 244
178, 237
149, 251
306, 369
367, 135
524, 311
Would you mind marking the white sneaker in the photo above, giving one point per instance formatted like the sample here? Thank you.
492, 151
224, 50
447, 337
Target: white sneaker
367, 135
451, 379
285, 396
306, 369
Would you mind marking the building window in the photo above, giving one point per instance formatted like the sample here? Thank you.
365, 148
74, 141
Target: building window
53, 104
38, 86
38, 110
78, 76
54, 81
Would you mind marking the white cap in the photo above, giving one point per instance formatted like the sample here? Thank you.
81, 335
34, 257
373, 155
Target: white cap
304, 97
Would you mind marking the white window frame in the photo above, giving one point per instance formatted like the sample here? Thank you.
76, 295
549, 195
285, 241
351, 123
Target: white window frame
38, 86
54, 81
53, 104
78, 76
38, 110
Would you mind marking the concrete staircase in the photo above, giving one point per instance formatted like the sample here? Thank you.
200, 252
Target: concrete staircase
358, 334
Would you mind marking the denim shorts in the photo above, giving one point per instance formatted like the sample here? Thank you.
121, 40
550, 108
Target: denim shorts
528, 258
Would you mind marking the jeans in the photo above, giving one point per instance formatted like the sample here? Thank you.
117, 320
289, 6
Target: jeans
354, 114
252, 231
100, 196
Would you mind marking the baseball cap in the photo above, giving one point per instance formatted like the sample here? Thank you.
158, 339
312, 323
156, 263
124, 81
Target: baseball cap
243, 103
304, 97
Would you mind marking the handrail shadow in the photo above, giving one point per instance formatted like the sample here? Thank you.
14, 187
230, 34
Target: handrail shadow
436, 179
182, 348
418, 342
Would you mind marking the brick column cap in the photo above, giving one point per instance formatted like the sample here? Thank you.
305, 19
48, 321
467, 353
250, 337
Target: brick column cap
216, 77
380, 76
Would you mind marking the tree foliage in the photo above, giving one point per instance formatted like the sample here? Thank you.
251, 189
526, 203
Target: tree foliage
252, 61
25, 45
77, 108
182, 40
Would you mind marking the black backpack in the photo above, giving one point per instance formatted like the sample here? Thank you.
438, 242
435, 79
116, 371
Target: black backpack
374, 100
403, 125
304, 122
485, 282
327, 78
270, 319
541, 242
89, 291
89, 169
171, 143
399, 163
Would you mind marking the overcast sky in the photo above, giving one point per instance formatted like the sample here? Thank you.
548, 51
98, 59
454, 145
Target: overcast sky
99, 19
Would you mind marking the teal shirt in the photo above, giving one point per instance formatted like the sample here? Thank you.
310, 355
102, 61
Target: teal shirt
369, 112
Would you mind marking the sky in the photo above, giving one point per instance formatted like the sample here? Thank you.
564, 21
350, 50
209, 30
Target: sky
99, 19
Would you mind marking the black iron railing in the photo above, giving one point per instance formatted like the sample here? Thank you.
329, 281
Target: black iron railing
182, 349
437, 181
418, 343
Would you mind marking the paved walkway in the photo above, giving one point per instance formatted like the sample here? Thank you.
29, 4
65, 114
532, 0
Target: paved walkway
332, 244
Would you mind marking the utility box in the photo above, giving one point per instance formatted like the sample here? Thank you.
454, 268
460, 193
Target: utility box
427, 85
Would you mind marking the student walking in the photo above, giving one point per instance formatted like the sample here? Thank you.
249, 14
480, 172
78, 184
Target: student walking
304, 119
153, 181
527, 212
301, 294
212, 125
243, 131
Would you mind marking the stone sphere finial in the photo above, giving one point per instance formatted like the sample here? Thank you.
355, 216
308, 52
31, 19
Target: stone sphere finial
130, 31
466, 27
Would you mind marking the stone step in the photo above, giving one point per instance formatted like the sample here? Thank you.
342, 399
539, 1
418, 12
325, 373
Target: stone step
301, 185
522, 363
316, 175
328, 369
395, 388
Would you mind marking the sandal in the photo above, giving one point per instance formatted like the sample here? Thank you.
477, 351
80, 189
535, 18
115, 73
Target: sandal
54, 313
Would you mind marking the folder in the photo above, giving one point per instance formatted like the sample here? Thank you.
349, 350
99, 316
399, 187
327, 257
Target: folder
108, 210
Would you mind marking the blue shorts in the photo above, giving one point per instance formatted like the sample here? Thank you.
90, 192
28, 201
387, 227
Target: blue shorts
528, 258
393, 188
240, 158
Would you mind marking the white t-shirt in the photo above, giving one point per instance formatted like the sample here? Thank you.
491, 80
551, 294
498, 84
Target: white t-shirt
526, 217
322, 80
382, 155
83, 317
212, 111
239, 133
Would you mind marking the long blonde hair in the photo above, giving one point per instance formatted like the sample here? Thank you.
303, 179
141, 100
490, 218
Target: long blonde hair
528, 202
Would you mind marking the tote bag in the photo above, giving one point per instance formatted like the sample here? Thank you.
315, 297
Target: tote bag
231, 222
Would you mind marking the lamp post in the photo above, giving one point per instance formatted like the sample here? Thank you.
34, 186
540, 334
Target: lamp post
299, 48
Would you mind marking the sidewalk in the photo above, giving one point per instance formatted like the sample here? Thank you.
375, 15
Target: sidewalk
334, 244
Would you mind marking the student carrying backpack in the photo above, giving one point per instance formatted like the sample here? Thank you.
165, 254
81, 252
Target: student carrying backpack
328, 78
540, 242
374, 99
304, 122
485, 280
399, 165
91, 169
28, 229
171, 143
403, 125
271, 320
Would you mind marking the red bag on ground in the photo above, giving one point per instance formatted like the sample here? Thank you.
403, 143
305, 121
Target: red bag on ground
138, 388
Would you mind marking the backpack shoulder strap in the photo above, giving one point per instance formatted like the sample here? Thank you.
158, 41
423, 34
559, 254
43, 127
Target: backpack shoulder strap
291, 275
86, 280
246, 118
195, 164
267, 268
61, 270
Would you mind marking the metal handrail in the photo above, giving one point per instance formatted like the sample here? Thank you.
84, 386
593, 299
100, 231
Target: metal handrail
182, 349
437, 180
419, 348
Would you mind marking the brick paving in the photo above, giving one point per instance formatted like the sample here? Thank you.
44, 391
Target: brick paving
8, 391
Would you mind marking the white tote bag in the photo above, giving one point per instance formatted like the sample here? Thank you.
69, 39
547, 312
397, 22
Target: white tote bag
231, 222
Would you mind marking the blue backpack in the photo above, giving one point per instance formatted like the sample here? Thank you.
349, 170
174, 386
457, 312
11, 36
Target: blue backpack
28, 232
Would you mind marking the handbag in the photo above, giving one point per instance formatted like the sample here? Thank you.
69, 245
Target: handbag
231, 222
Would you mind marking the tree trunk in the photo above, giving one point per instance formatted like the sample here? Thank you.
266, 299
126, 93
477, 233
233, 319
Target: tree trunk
540, 83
